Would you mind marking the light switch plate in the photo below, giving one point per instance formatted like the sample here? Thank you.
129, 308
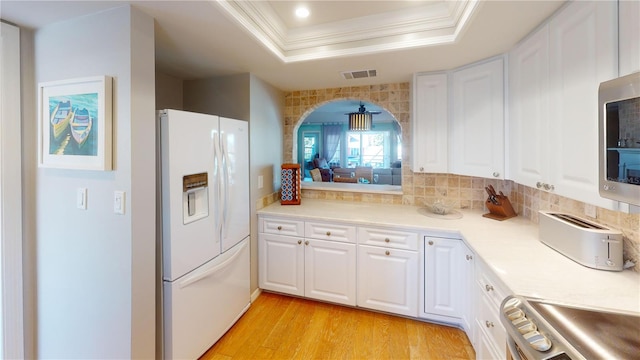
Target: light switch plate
81, 198
118, 202
260, 181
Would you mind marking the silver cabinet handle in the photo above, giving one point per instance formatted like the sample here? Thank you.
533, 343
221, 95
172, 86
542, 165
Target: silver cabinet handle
299, 242
306, 242
496, 174
545, 186
279, 227
488, 287
430, 242
328, 233
386, 240
387, 252
421, 169
469, 257
489, 324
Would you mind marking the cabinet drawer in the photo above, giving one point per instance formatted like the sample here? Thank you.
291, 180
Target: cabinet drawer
488, 321
328, 231
388, 238
490, 287
282, 227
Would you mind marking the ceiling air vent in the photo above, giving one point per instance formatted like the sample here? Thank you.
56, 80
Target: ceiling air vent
358, 74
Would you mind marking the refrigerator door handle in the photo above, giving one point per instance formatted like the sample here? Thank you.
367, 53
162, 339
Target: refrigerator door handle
225, 182
204, 272
217, 187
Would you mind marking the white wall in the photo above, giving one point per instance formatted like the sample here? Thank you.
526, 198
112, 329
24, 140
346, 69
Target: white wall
29, 169
95, 269
266, 132
168, 92
11, 301
226, 96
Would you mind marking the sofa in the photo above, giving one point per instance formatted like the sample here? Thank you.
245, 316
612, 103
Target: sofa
326, 173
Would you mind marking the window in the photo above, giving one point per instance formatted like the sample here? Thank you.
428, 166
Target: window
311, 148
370, 148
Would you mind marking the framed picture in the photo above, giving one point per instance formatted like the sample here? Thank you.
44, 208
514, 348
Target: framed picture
75, 123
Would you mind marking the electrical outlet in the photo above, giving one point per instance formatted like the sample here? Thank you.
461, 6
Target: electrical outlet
260, 181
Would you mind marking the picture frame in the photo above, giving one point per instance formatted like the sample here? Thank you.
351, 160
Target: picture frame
75, 123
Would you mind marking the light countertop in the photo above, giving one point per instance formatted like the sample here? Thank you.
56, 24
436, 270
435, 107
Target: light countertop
510, 248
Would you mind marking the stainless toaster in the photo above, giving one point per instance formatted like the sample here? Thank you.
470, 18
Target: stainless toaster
582, 241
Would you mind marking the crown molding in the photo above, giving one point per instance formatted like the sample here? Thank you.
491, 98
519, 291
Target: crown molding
431, 24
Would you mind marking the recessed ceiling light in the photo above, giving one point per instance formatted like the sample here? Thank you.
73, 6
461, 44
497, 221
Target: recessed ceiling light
302, 12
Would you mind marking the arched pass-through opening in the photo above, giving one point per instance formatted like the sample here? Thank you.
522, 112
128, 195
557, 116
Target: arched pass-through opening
349, 160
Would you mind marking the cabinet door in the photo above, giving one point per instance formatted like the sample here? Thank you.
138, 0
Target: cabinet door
330, 271
468, 291
388, 280
529, 110
281, 262
443, 274
629, 35
430, 123
582, 51
476, 146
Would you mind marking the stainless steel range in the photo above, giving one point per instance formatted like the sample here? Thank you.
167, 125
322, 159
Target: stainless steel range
539, 329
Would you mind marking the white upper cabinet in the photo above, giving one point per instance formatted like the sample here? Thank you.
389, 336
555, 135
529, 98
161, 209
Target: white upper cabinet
430, 119
554, 76
529, 124
476, 145
629, 36
582, 54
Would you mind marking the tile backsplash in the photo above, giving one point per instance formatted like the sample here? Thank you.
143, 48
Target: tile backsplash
464, 192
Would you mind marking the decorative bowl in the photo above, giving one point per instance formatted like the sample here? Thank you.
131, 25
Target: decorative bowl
440, 207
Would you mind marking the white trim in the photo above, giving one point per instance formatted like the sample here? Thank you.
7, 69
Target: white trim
431, 24
11, 301
255, 294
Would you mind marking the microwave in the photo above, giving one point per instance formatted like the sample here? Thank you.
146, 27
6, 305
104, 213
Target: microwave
619, 139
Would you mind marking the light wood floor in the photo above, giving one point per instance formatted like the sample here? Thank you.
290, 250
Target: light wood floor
282, 327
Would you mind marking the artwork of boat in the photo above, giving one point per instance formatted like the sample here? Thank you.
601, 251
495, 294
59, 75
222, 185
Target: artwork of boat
81, 126
60, 118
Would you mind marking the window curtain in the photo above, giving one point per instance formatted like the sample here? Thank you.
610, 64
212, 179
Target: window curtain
331, 140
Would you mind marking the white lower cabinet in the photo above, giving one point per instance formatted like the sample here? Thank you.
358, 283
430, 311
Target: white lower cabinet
388, 280
330, 271
281, 263
489, 334
442, 274
399, 271
318, 269
448, 280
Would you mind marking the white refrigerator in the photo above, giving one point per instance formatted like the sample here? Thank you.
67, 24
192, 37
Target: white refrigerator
205, 229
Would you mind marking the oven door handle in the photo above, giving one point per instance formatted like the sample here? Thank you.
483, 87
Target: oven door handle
511, 349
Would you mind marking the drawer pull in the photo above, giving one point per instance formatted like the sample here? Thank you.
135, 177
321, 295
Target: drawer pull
328, 233
488, 287
430, 242
306, 242
386, 240
299, 242
489, 324
469, 257
279, 227
387, 252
